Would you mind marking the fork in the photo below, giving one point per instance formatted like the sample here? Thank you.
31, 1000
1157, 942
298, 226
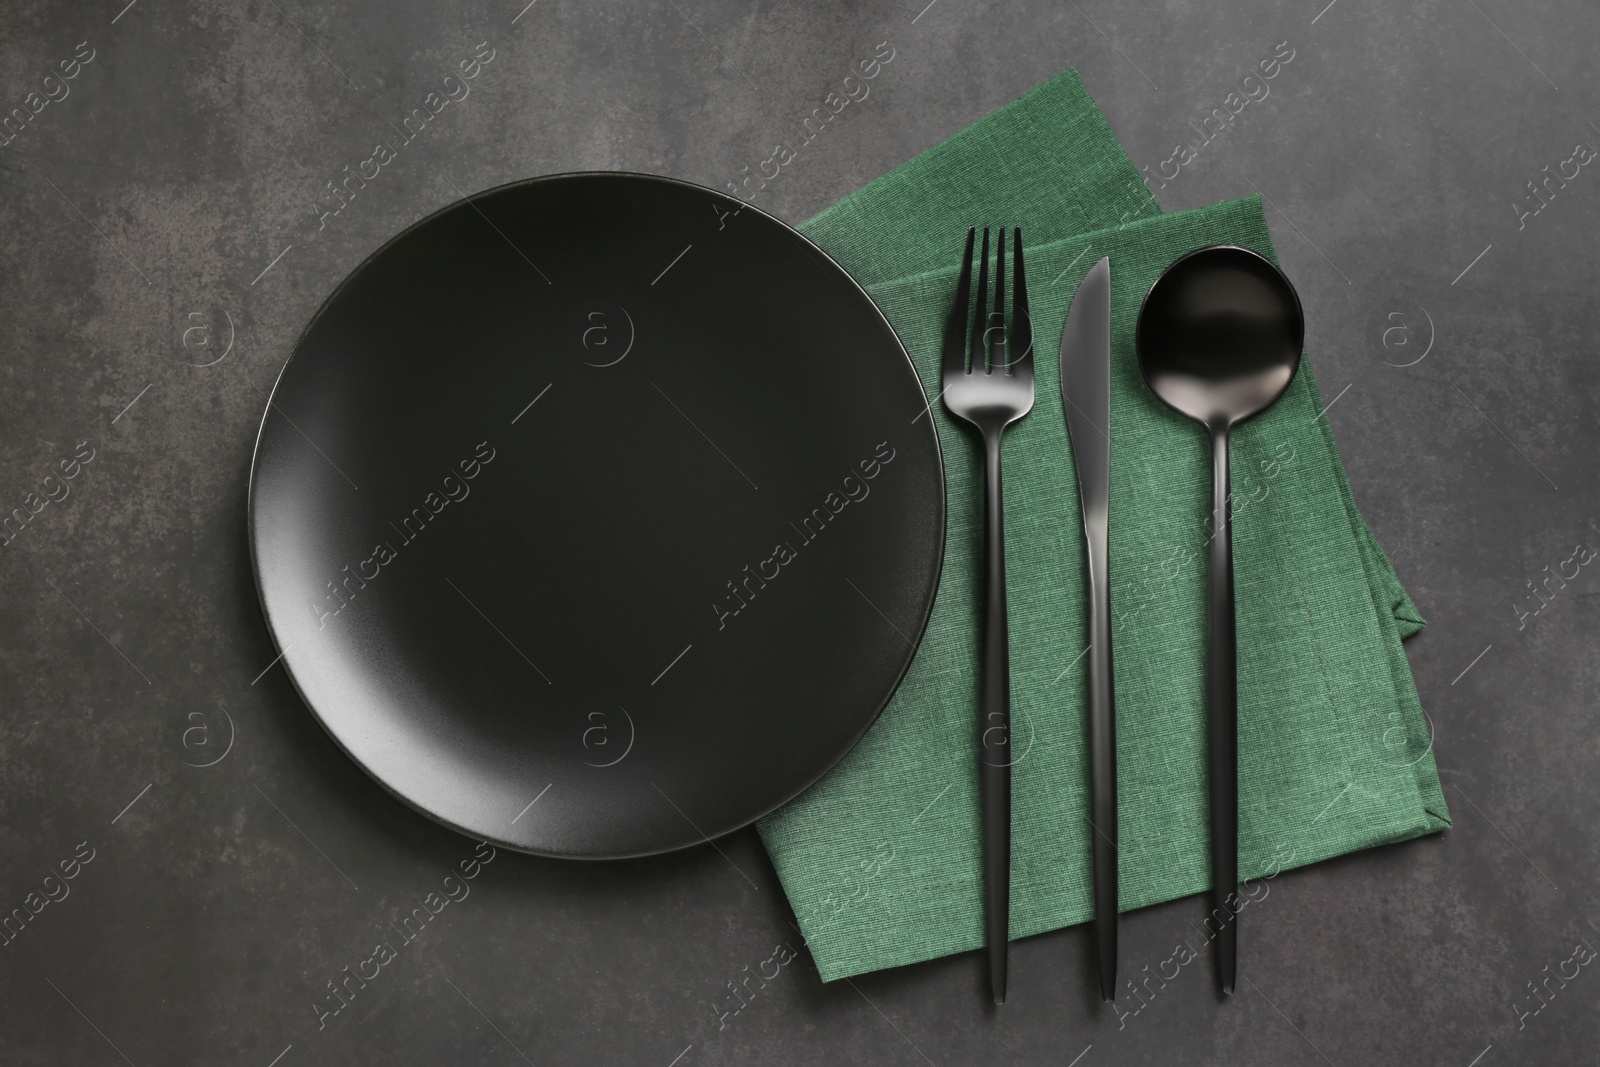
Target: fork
992, 393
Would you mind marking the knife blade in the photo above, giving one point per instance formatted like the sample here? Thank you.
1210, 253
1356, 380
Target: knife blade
1086, 401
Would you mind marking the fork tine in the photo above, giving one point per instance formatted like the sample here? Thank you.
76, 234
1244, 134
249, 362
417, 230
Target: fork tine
955, 333
1020, 352
998, 353
980, 318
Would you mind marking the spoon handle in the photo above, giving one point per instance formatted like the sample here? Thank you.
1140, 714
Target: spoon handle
1222, 718
995, 729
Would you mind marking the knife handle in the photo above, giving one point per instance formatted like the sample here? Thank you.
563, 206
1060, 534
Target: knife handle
1102, 754
1223, 717
994, 730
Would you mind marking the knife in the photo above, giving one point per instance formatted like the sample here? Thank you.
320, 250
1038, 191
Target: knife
1086, 400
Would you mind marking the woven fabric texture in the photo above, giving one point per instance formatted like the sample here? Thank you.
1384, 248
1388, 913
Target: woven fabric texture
881, 859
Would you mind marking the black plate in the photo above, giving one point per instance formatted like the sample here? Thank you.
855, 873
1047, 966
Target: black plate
597, 515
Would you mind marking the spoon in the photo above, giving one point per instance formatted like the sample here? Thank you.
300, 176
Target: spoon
1219, 340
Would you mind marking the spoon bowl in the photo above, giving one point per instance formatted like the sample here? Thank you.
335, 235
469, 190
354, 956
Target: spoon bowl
1219, 340
1219, 335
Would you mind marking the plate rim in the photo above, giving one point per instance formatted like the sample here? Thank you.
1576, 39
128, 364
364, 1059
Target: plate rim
252, 485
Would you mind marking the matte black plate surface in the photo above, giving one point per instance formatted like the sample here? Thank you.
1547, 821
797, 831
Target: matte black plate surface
595, 516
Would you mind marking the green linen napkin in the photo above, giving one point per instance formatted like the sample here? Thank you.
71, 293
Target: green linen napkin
881, 859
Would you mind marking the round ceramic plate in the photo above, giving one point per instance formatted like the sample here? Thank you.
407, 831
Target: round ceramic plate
597, 515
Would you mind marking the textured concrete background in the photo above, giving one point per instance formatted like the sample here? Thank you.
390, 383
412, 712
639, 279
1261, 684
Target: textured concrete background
163, 205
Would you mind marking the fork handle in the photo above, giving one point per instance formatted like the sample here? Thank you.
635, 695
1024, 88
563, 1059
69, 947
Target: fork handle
995, 727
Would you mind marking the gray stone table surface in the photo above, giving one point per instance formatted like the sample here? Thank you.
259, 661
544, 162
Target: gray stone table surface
162, 244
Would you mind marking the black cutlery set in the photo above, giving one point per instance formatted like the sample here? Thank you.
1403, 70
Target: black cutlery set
1218, 339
